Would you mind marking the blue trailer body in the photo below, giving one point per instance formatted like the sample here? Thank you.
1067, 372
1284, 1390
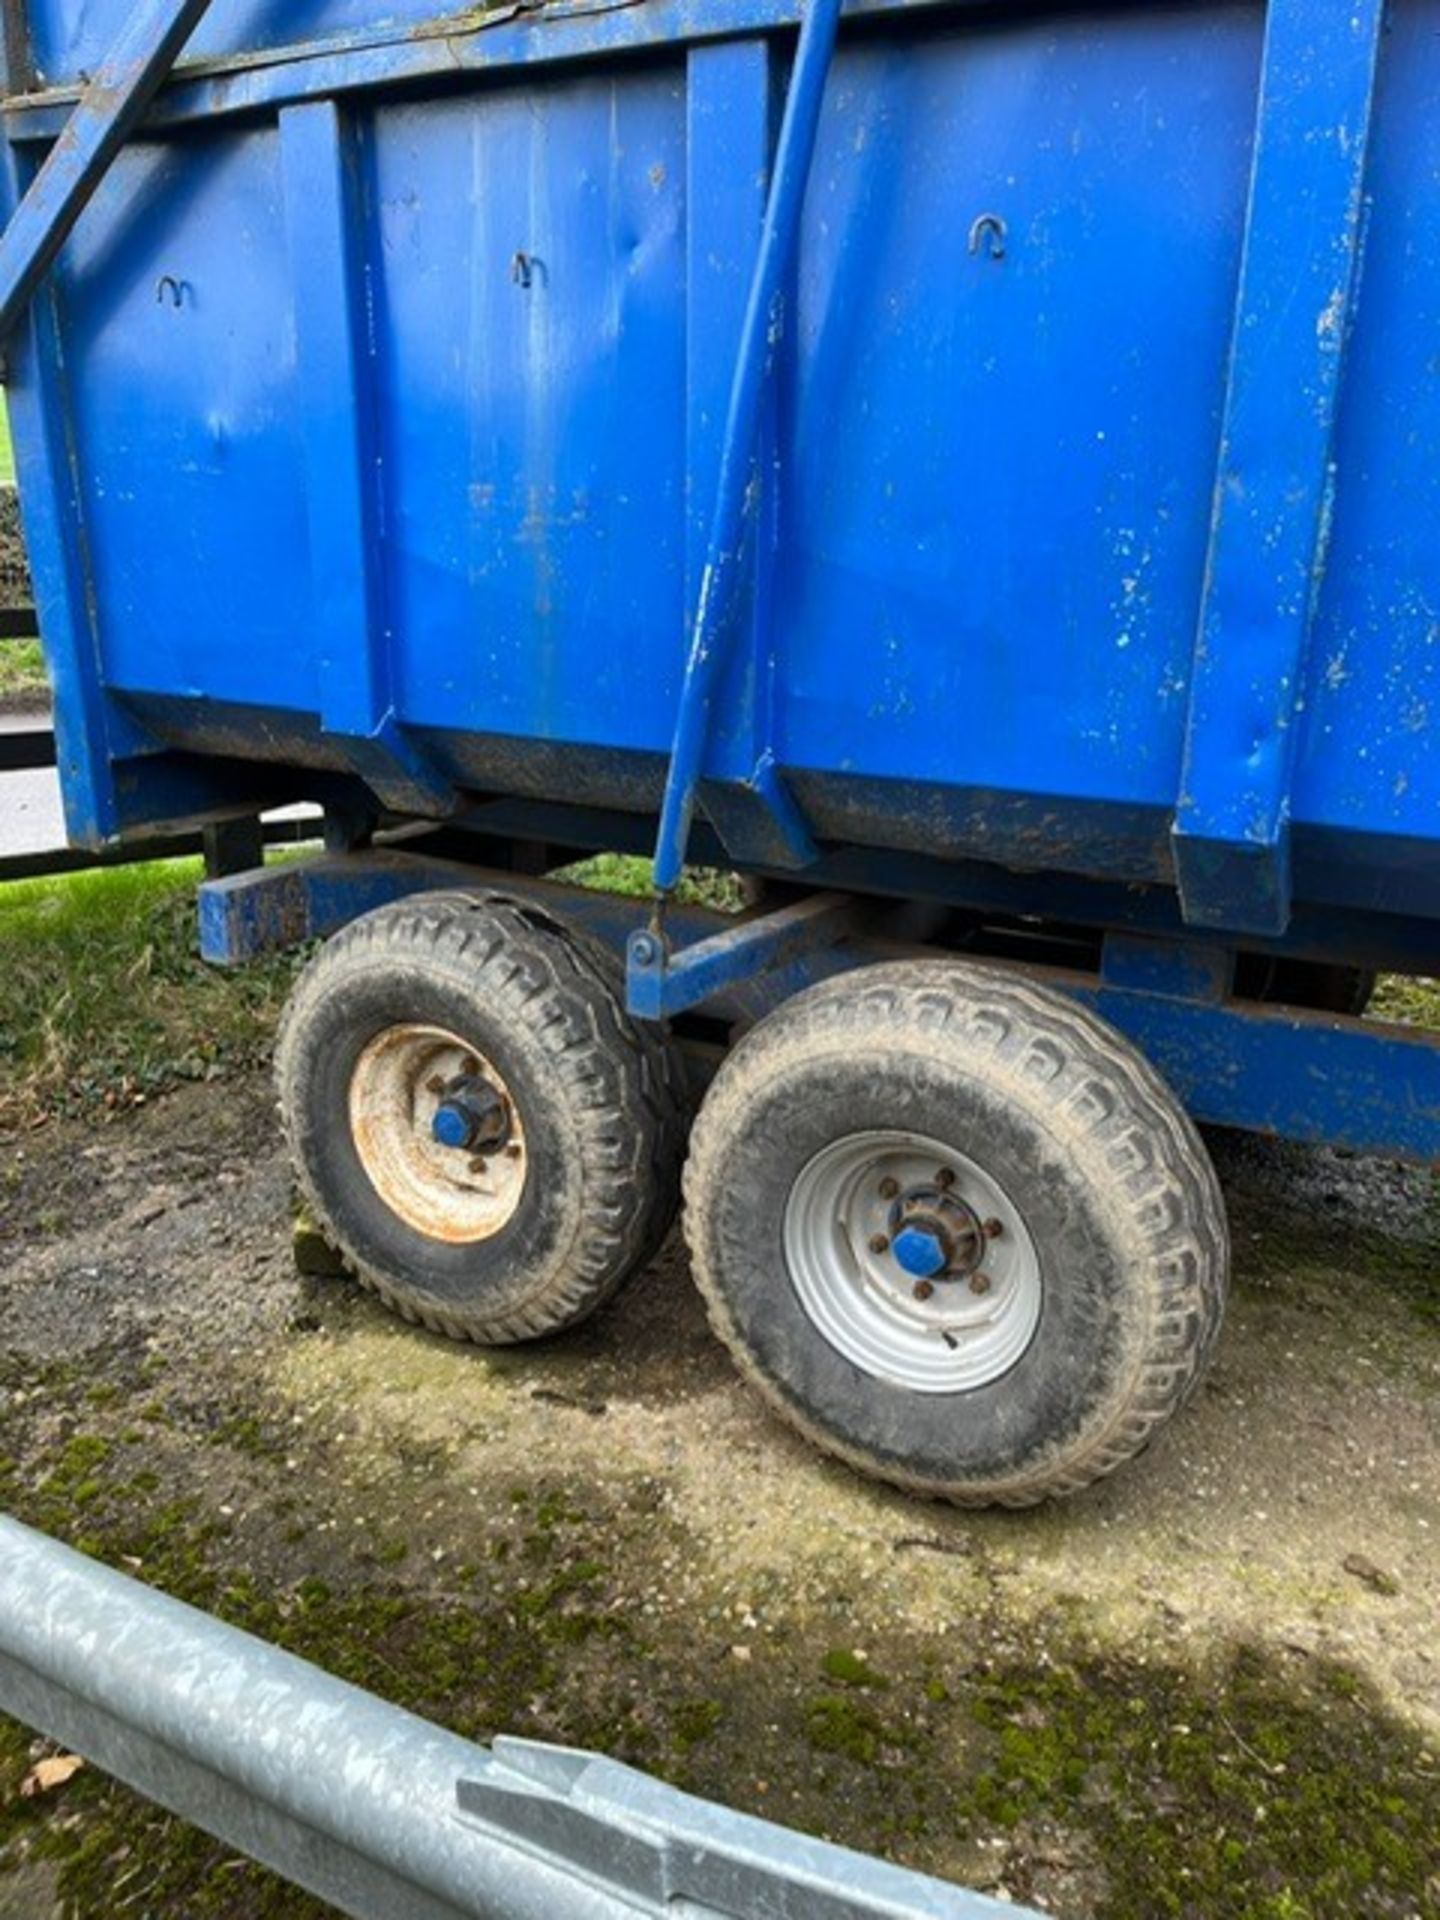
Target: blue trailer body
373, 424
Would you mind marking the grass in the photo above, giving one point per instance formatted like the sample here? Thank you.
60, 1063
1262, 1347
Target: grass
1413, 1001
22, 664
629, 874
104, 999
22, 669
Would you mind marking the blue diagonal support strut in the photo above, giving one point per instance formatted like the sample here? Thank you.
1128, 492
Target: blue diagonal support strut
106, 113
736, 495
1275, 480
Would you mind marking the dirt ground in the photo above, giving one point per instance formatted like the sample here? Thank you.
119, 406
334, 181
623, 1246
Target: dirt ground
1208, 1687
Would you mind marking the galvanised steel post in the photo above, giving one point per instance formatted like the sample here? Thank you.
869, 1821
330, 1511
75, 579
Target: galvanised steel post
376, 1810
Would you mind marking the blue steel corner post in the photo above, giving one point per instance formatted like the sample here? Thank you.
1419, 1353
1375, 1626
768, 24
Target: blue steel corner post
974, 478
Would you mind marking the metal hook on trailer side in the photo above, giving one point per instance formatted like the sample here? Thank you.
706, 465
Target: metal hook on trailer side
988, 235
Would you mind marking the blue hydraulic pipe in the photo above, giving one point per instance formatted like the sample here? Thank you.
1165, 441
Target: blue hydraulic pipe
736, 500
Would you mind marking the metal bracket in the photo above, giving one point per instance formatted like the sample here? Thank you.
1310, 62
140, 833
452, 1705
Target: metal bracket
642, 1840
660, 984
110, 107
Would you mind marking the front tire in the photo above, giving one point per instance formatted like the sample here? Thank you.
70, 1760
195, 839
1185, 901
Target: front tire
475, 1121
956, 1230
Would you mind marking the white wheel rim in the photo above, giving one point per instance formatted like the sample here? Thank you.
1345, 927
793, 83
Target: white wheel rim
446, 1193
944, 1336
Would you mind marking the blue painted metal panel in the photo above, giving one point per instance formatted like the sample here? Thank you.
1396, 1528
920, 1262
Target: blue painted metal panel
531, 367
349, 629
999, 471
391, 442
1275, 488
178, 338
72, 38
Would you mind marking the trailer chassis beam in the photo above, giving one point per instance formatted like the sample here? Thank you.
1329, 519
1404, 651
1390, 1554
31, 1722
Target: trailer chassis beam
1326, 1078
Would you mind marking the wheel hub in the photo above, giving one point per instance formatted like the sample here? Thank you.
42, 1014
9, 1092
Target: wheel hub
935, 1235
473, 1115
438, 1134
913, 1261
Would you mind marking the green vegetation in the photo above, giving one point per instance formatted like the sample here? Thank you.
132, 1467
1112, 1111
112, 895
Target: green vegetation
1416, 1001
7, 450
104, 999
629, 874
851, 1669
1242, 1785
22, 670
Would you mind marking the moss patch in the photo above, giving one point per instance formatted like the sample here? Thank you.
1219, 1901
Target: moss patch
1245, 1785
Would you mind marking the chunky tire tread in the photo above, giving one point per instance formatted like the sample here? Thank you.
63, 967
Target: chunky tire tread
1121, 1124
623, 1081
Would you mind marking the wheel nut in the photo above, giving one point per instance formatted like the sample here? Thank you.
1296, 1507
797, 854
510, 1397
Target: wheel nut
514, 1150
993, 1229
923, 1289
944, 1178
435, 1084
979, 1283
878, 1243
477, 1165
889, 1188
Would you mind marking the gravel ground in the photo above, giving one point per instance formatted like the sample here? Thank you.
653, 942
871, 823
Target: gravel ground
1210, 1686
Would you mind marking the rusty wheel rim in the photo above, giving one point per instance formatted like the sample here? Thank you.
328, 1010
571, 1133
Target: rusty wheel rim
444, 1192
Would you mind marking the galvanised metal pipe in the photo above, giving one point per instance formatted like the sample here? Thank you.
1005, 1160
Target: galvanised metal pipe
735, 500
376, 1810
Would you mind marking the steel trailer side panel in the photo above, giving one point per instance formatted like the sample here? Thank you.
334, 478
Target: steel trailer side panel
179, 337
528, 256
995, 432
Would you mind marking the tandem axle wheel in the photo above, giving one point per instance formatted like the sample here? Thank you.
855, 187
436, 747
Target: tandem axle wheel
477, 1123
956, 1230
951, 1224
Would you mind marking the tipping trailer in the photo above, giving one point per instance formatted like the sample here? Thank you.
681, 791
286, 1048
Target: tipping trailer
968, 467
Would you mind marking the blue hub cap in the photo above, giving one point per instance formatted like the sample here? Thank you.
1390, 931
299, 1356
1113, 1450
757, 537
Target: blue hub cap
920, 1251
471, 1115
451, 1127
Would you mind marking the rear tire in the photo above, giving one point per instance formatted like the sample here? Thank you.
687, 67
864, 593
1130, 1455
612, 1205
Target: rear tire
568, 1178
1072, 1190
